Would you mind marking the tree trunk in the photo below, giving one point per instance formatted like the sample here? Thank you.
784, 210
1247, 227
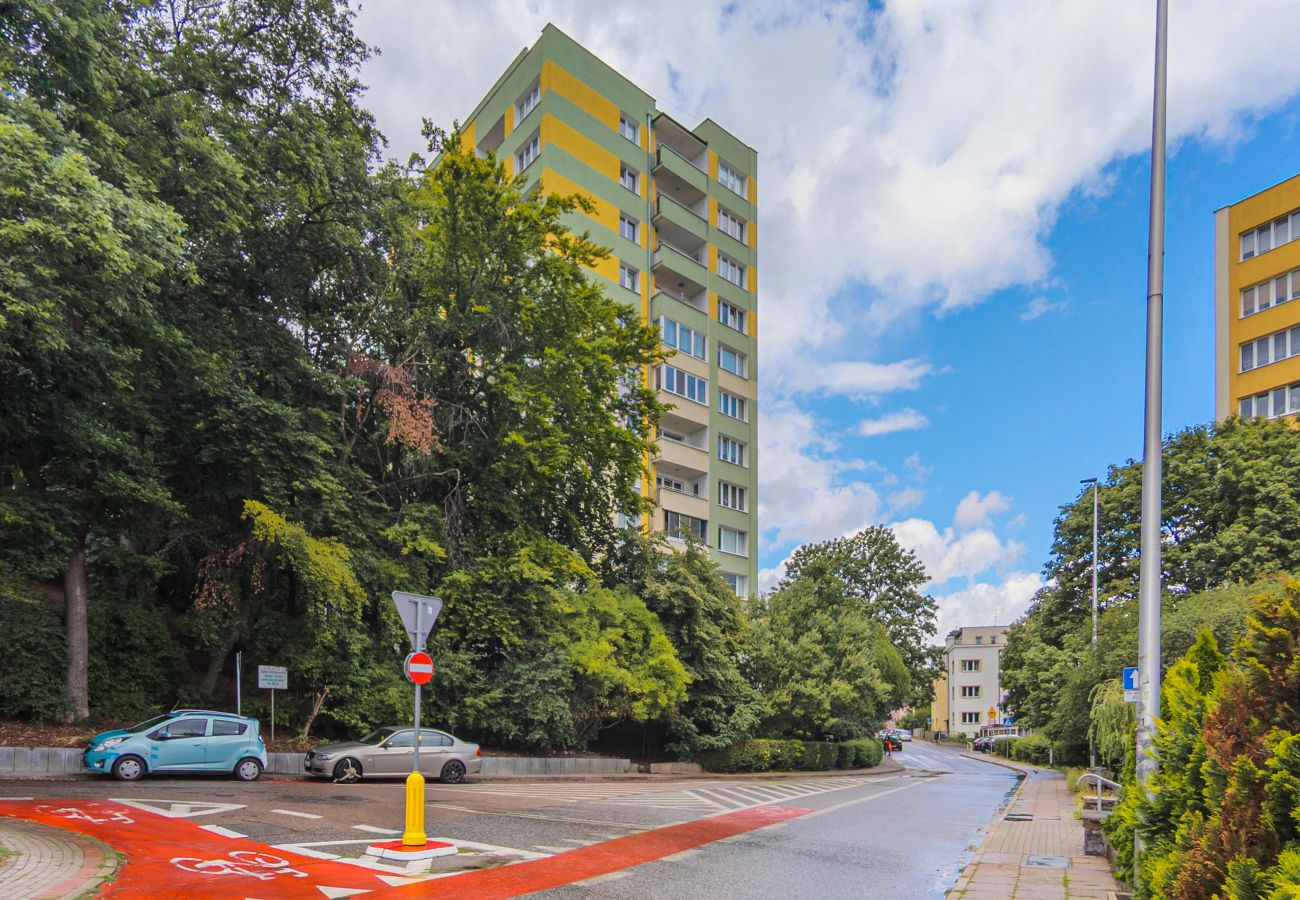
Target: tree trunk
75, 596
218, 662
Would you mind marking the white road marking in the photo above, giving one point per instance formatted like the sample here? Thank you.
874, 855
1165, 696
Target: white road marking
334, 893
17, 798
552, 849
373, 829
224, 832
301, 815
173, 810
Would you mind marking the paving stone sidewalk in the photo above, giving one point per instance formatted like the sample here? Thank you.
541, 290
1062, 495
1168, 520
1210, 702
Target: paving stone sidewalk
43, 863
1035, 851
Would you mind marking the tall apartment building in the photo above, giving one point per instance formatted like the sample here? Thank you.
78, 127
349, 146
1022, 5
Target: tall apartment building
677, 207
968, 695
1257, 327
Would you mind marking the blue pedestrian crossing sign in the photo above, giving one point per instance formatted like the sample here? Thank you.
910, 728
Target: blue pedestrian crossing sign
1131, 678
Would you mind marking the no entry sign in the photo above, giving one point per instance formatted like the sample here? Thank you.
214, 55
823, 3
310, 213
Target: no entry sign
419, 667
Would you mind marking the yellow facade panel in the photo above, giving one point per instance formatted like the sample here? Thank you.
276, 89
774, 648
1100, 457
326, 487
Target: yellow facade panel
753, 323
603, 213
579, 93
752, 185
582, 148
467, 137
1265, 378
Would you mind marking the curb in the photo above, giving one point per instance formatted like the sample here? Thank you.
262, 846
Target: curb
1004, 763
99, 862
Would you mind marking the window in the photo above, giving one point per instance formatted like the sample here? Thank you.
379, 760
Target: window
1283, 401
679, 337
732, 225
528, 102
183, 728
430, 738
629, 178
731, 271
402, 739
628, 128
979, 640
627, 227
628, 277
529, 152
731, 360
970, 665
731, 405
731, 451
227, 728
731, 316
730, 178
732, 541
1267, 236
1281, 289
970, 718
683, 384
732, 496
738, 583
970, 691
681, 487
679, 525
1270, 349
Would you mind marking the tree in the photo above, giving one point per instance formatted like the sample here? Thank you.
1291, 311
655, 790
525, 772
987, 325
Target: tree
884, 579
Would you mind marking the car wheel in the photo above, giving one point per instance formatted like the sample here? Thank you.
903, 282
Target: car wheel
346, 771
248, 769
129, 768
453, 772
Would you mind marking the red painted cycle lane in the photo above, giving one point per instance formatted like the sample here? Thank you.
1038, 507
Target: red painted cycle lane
166, 857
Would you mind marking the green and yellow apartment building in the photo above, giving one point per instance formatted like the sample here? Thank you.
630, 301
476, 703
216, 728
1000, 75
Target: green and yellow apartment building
677, 207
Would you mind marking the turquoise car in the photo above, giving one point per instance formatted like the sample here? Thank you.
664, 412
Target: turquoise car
183, 740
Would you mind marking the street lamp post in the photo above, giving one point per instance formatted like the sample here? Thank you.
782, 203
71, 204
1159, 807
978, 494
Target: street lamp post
1096, 515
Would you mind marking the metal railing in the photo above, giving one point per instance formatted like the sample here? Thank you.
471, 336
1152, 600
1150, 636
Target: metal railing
1100, 783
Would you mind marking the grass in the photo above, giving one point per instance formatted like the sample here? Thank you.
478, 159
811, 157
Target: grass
6, 854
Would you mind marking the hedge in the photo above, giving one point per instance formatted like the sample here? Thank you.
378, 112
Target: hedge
763, 755
1032, 748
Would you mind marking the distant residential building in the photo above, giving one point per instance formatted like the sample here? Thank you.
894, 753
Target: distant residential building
968, 695
1257, 326
678, 209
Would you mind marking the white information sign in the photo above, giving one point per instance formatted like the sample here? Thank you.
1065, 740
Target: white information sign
275, 678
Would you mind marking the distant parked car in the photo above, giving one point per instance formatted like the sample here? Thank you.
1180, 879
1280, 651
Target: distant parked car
183, 740
903, 734
986, 744
390, 752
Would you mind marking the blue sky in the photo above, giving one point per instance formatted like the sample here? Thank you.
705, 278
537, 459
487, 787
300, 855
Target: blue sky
953, 215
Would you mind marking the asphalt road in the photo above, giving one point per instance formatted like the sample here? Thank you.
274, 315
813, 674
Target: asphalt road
904, 834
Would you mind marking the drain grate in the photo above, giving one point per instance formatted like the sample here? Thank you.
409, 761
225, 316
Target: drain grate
1048, 862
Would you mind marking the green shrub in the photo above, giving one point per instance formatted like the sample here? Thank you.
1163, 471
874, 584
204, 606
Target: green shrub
135, 665
844, 755
760, 755
1032, 748
33, 660
862, 753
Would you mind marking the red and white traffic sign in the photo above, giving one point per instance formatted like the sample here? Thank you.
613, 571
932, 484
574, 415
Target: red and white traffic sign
419, 667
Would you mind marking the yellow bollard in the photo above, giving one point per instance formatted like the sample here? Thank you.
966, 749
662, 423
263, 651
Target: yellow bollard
414, 836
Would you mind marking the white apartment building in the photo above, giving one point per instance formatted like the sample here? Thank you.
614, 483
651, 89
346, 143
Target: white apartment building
973, 679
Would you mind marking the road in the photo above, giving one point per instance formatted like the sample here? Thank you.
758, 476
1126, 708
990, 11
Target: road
903, 834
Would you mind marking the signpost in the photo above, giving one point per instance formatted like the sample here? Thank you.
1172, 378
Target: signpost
1131, 690
273, 678
418, 613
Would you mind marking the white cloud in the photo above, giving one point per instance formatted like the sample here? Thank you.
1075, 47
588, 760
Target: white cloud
1041, 306
974, 510
947, 554
858, 378
987, 604
903, 420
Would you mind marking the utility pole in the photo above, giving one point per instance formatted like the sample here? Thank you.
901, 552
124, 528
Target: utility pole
1150, 574
1096, 515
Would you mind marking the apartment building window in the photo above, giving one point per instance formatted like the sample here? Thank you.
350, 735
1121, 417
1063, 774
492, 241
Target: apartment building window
678, 525
673, 484
731, 360
970, 665
628, 128
731, 316
732, 225
731, 451
732, 541
628, 277
970, 691
731, 405
732, 496
731, 271
970, 718
683, 384
681, 338
1270, 234
979, 640
738, 583
1281, 401
627, 227
1259, 297
730, 178
629, 178
528, 102
1270, 349
529, 152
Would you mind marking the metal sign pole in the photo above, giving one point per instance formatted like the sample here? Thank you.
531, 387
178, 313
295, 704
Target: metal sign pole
418, 623
272, 715
239, 671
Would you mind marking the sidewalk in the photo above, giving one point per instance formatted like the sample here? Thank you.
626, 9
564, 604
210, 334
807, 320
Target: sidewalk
1035, 851
38, 862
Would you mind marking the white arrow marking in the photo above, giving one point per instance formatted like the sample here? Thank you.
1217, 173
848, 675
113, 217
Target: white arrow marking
334, 893
178, 810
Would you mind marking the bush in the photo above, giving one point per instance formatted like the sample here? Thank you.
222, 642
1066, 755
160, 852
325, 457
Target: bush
1035, 749
862, 753
760, 755
33, 660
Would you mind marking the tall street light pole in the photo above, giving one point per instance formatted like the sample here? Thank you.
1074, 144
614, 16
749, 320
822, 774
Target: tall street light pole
1096, 515
1150, 573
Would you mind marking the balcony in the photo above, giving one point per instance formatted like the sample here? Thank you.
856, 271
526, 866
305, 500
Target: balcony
679, 178
679, 272
693, 505
681, 225
680, 459
676, 136
685, 415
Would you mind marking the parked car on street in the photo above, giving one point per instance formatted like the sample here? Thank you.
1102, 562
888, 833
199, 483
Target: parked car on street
985, 744
183, 740
390, 752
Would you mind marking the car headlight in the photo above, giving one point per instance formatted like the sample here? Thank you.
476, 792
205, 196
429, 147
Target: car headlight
323, 756
111, 742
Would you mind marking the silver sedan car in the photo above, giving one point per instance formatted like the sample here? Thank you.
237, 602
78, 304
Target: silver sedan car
390, 752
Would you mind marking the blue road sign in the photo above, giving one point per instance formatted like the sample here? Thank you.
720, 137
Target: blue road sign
1131, 678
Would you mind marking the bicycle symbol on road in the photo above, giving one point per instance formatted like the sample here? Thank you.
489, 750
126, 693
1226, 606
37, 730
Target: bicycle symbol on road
262, 866
71, 812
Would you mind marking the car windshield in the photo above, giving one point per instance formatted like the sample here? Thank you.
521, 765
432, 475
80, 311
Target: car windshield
379, 735
147, 724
